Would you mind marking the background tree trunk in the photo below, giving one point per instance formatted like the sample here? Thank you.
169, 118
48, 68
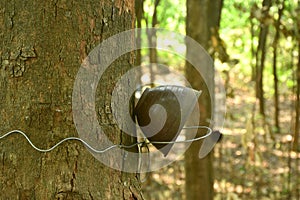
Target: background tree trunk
202, 19
152, 41
42, 46
261, 55
275, 74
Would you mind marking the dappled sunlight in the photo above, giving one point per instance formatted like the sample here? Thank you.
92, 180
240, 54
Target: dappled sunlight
254, 159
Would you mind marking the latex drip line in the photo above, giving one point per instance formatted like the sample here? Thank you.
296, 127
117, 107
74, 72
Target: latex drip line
141, 163
110, 147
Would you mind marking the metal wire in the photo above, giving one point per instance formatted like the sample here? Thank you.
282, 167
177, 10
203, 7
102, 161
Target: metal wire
110, 147
190, 140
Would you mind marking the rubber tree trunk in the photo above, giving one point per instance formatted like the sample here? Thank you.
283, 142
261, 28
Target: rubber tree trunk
202, 17
42, 45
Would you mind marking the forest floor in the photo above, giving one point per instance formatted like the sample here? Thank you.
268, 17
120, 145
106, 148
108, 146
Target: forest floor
252, 161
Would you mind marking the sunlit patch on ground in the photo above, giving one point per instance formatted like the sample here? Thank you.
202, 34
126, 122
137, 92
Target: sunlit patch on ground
248, 163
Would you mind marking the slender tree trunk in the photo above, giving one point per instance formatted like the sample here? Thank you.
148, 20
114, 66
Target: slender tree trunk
42, 46
152, 40
253, 68
275, 76
261, 56
202, 17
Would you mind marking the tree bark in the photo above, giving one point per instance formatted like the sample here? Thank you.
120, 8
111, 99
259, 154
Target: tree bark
202, 18
42, 46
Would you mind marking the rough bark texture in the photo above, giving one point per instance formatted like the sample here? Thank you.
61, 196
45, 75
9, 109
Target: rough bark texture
202, 17
42, 44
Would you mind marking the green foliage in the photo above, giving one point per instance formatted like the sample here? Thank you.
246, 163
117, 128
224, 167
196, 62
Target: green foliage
170, 15
235, 30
